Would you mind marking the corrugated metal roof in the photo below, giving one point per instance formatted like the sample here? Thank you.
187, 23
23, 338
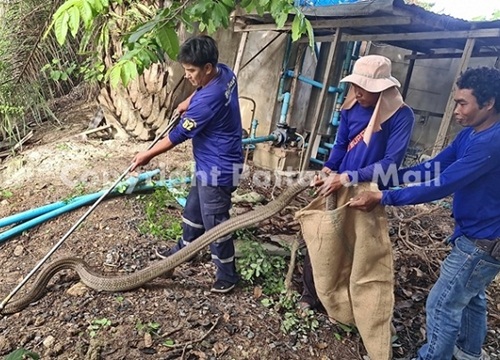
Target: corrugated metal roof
403, 35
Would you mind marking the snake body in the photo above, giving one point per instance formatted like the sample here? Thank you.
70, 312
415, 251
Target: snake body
137, 279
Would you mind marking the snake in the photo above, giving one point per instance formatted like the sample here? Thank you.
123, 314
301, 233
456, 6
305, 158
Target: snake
113, 283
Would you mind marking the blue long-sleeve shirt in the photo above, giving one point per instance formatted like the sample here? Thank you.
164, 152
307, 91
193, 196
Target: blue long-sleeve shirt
386, 148
213, 122
470, 168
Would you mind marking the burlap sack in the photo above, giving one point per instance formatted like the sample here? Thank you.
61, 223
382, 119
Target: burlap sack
351, 257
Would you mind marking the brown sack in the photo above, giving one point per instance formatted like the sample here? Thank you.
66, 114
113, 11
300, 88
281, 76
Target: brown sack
351, 257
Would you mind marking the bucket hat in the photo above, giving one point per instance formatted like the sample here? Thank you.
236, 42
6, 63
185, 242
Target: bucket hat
372, 73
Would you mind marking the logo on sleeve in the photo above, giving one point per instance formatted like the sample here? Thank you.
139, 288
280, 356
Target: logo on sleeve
189, 124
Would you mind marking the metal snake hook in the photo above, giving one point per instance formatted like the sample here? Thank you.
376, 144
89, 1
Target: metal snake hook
172, 122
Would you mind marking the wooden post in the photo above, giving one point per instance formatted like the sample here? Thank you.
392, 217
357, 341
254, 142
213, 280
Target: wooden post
450, 106
320, 103
241, 50
409, 73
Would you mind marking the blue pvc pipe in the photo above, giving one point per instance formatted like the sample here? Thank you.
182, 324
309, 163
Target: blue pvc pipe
284, 65
323, 151
346, 69
74, 205
258, 139
284, 107
33, 213
316, 161
331, 89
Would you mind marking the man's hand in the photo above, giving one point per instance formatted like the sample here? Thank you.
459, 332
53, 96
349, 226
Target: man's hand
331, 184
141, 158
319, 178
366, 201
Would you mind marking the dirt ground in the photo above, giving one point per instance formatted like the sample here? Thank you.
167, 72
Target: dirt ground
74, 322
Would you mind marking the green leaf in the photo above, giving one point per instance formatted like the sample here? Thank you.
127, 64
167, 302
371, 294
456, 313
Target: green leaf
128, 72
310, 32
61, 28
114, 75
141, 31
20, 354
86, 13
168, 40
74, 20
222, 13
281, 19
168, 342
96, 5
296, 28
264, 3
245, 3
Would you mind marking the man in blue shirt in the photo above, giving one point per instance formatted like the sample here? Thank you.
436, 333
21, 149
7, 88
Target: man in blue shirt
211, 118
469, 168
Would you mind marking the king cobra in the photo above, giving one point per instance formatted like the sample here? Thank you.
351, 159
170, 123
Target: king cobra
137, 279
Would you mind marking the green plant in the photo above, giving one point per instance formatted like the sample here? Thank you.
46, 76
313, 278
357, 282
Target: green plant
257, 267
24, 88
293, 320
97, 325
151, 327
345, 329
78, 190
6, 194
21, 354
58, 71
150, 33
169, 342
157, 222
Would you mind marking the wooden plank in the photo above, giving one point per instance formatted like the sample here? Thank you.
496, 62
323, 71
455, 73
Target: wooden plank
476, 54
333, 51
409, 73
330, 24
430, 35
442, 134
239, 55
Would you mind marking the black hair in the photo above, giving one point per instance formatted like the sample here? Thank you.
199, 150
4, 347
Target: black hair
484, 83
199, 51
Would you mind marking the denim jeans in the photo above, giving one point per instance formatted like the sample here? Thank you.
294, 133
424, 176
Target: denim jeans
456, 306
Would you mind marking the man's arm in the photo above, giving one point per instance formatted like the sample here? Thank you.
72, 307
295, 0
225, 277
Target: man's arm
475, 163
193, 121
144, 157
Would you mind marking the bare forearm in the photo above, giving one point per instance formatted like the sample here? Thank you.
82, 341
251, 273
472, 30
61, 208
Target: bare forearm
161, 146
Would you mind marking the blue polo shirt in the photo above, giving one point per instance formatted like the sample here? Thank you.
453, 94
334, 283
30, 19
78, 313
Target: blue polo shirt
470, 168
387, 147
213, 122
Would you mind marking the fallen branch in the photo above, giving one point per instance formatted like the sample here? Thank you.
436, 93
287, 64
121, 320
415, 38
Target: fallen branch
87, 132
291, 267
415, 217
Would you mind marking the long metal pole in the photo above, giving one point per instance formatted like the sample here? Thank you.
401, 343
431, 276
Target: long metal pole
169, 127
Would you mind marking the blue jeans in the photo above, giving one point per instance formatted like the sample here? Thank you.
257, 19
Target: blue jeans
456, 306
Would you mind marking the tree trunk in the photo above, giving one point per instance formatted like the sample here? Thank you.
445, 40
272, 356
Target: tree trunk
145, 106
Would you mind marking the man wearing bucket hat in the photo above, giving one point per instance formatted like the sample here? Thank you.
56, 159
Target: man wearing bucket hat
373, 135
